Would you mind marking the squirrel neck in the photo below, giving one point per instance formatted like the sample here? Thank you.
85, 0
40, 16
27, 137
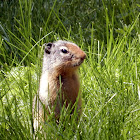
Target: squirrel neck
63, 73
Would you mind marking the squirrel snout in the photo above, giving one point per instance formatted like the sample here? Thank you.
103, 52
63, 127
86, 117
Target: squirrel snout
83, 56
80, 56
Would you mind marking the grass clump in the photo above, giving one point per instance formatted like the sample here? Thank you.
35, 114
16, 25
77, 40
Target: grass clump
108, 31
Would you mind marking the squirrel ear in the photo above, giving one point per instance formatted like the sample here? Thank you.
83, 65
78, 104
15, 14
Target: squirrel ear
48, 47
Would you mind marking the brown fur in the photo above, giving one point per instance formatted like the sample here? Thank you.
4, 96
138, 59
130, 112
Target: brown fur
59, 78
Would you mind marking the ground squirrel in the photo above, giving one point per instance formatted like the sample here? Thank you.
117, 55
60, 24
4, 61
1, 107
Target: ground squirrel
59, 74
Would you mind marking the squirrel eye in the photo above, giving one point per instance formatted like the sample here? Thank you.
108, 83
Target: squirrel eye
64, 51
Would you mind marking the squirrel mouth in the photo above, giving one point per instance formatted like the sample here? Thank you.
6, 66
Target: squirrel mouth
78, 63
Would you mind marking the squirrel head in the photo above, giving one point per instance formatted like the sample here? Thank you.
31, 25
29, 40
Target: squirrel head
63, 55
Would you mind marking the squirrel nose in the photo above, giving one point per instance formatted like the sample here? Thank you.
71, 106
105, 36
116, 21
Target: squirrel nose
83, 57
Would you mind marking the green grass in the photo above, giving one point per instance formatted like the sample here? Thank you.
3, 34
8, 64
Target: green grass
109, 33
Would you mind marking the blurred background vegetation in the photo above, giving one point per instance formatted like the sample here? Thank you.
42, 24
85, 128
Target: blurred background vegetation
107, 30
24, 22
